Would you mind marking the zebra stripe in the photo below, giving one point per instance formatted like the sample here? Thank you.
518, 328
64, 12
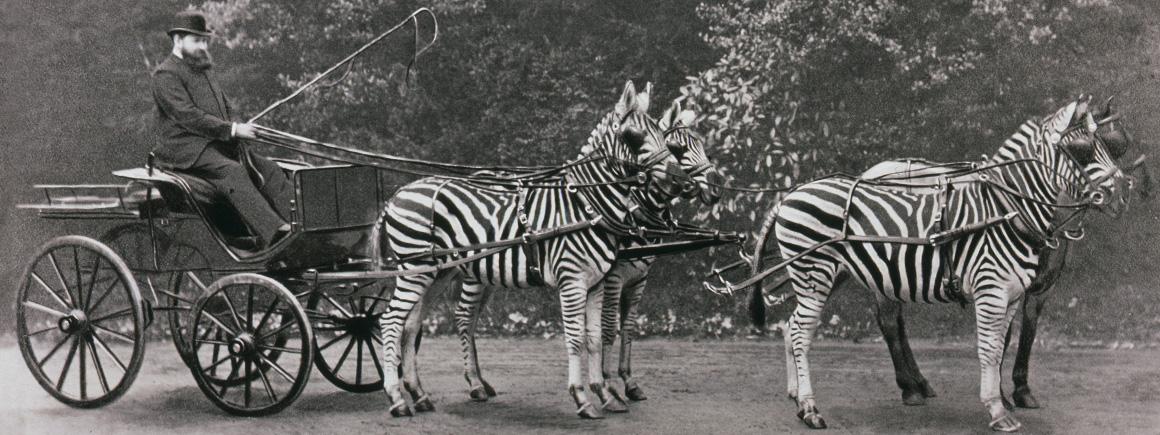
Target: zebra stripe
625, 282
449, 213
995, 265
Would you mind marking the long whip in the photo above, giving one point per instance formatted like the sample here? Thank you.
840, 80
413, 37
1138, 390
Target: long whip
413, 18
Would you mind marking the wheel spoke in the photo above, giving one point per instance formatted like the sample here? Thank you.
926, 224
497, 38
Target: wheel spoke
233, 311
176, 296
345, 353
109, 351
280, 349
35, 333
114, 315
72, 351
98, 367
52, 352
219, 323
250, 306
338, 306
266, 383
246, 385
379, 297
358, 363
60, 276
266, 316
375, 358
124, 337
43, 309
214, 342
108, 291
233, 371
84, 383
377, 339
216, 351
93, 279
276, 331
213, 367
333, 340
277, 368
196, 281
50, 291
80, 291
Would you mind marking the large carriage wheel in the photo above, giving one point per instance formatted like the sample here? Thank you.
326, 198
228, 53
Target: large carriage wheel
237, 328
80, 322
347, 342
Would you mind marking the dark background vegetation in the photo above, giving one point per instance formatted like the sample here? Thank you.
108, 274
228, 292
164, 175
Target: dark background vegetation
786, 90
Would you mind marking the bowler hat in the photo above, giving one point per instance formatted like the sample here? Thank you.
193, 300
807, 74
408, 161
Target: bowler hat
190, 22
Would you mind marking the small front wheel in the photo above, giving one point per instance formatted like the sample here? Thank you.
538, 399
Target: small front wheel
238, 330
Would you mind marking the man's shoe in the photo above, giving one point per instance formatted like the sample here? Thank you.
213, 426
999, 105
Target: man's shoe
247, 243
279, 234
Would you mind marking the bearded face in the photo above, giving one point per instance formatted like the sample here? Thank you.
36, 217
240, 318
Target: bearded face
194, 50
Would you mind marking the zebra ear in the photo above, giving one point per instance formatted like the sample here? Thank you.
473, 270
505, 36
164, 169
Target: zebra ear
687, 118
642, 99
627, 101
669, 118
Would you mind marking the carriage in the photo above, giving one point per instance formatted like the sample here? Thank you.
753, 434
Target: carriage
243, 322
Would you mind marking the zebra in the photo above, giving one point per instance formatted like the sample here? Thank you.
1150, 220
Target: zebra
915, 389
447, 213
1034, 171
625, 282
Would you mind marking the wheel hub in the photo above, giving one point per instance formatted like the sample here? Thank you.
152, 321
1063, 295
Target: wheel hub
75, 321
362, 326
242, 345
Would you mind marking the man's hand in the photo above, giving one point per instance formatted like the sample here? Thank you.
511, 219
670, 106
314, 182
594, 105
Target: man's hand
245, 131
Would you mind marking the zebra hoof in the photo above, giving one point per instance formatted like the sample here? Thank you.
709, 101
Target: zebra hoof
1024, 399
479, 394
635, 393
812, 419
400, 409
424, 405
487, 387
1006, 423
927, 391
589, 412
615, 405
913, 398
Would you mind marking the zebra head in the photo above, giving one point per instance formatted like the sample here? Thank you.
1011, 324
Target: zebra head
654, 161
628, 144
1085, 149
689, 148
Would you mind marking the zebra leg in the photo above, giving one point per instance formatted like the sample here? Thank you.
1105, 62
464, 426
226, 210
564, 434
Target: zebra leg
1022, 396
791, 384
408, 293
593, 322
915, 374
411, 330
630, 301
573, 301
889, 315
802, 325
471, 298
994, 309
609, 326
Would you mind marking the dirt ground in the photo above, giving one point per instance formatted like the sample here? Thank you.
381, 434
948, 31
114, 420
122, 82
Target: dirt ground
693, 387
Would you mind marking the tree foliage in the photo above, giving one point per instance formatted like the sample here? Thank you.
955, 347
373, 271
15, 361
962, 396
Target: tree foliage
807, 87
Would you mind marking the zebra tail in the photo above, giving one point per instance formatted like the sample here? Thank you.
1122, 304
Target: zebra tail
762, 242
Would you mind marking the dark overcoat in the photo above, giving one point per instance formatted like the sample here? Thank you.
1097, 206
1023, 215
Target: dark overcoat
192, 111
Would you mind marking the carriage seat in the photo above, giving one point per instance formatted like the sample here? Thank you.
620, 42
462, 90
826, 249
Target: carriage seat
178, 193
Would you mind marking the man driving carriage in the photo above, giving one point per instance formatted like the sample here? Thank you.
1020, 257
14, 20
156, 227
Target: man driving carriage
197, 137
